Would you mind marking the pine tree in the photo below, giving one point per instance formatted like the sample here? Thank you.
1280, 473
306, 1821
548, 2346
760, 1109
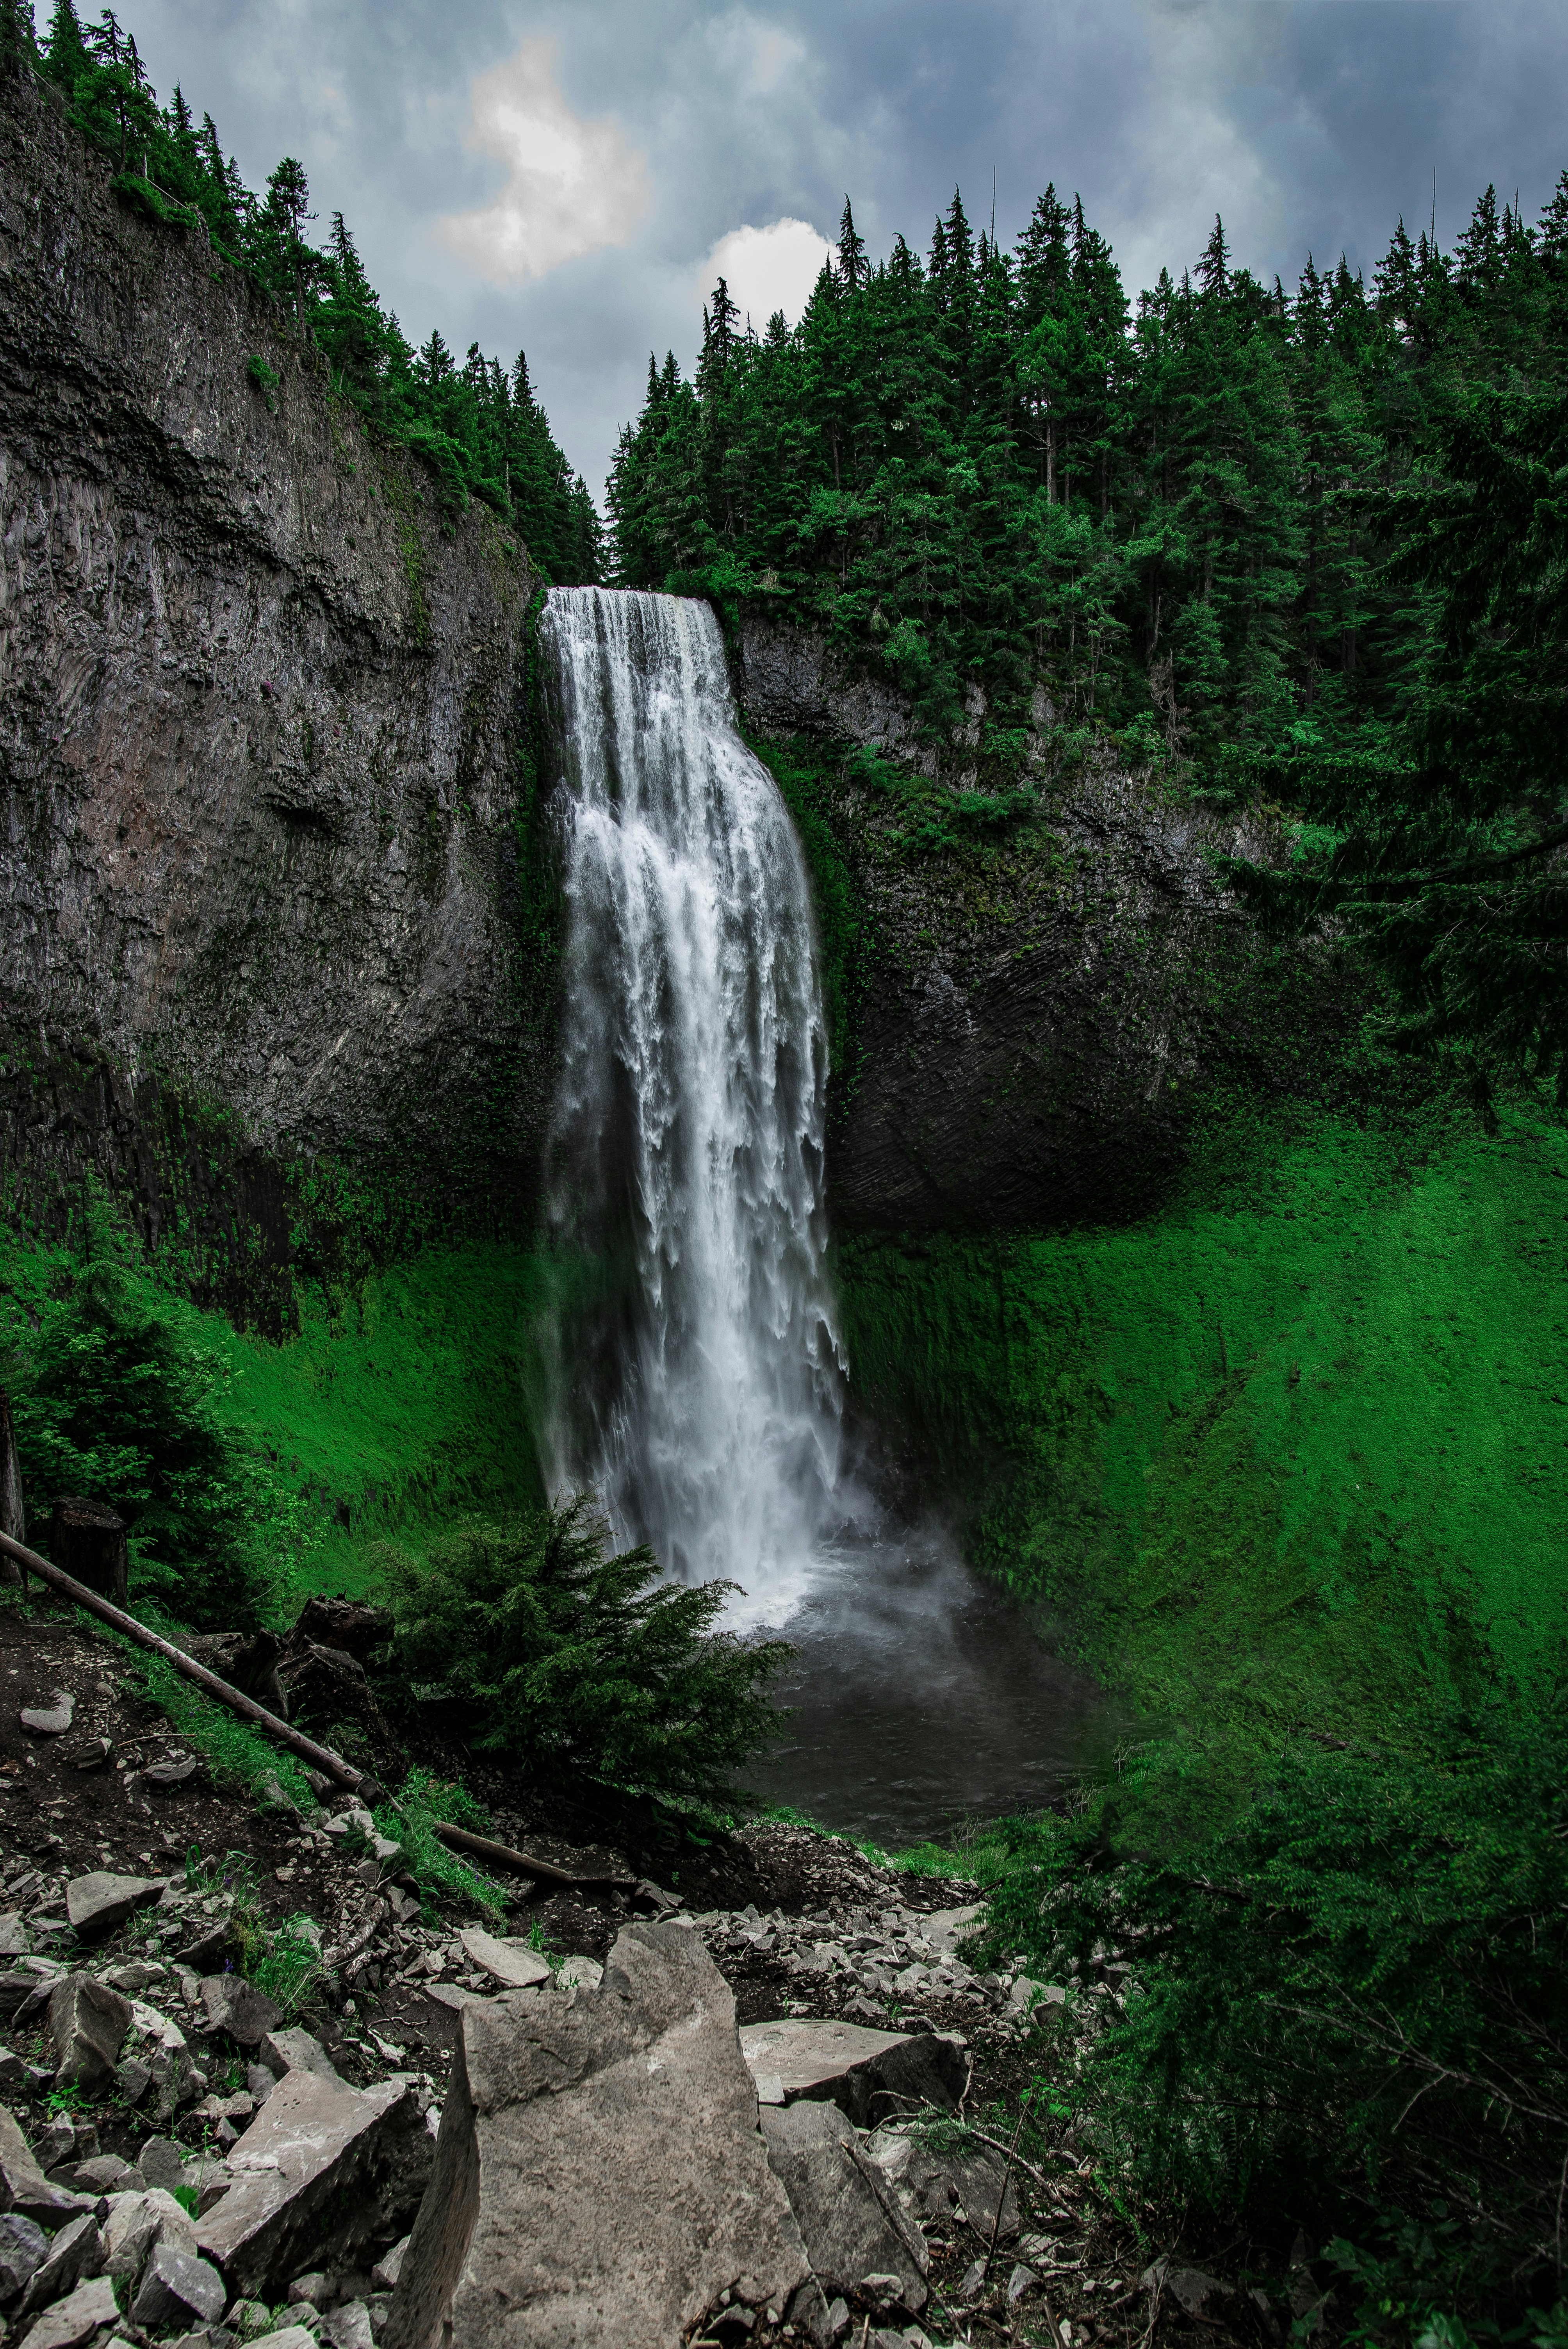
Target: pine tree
854, 270
1215, 269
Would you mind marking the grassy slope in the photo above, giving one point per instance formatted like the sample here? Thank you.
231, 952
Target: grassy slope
1289, 1456
414, 1401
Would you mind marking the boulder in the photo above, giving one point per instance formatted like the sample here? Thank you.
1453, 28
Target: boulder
176, 2287
76, 2318
161, 2163
872, 2075
96, 1903
510, 1962
24, 2248
292, 2336
319, 2171
929, 2186
233, 2005
25, 2187
580, 1974
348, 2327
347, 1623
599, 2175
847, 2211
88, 2023
75, 2253
13, 1941
389, 2266
138, 2224
51, 1720
295, 2050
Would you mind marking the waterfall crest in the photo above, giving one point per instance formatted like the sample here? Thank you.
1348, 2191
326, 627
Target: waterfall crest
688, 1124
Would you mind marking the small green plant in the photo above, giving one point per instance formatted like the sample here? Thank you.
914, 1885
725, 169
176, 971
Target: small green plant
580, 1661
65, 2100
266, 380
411, 1821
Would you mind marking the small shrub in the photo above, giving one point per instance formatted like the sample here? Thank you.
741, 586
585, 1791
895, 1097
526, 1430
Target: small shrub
265, 379
574, 1660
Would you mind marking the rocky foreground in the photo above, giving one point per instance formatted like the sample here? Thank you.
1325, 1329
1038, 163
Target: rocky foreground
253, 2085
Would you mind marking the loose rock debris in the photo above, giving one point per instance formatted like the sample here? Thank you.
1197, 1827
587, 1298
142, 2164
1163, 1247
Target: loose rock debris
761, 2040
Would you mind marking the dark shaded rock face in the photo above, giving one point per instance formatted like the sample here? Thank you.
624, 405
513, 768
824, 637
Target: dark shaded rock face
261, 713
1033, 1016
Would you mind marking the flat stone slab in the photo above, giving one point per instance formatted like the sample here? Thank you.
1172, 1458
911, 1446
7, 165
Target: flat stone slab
510, 1963
599, 2179
871, 2076
309, 2174
95, 1904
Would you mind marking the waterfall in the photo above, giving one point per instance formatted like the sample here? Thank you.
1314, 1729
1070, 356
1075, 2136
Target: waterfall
687, 1144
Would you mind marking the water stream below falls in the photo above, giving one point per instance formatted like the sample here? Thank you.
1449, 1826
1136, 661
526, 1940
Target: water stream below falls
688, 1155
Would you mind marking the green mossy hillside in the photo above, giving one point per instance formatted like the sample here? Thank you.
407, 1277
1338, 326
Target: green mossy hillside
1290, 1455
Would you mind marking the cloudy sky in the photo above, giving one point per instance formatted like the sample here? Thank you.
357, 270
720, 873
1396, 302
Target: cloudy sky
570, 177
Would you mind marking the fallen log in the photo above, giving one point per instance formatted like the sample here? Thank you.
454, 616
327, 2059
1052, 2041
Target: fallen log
320, 1758
524, 1863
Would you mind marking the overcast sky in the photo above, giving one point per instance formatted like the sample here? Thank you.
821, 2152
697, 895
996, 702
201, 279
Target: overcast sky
569, 179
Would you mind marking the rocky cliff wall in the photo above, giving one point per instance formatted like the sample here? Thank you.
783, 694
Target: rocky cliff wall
261, 719
1038, 1015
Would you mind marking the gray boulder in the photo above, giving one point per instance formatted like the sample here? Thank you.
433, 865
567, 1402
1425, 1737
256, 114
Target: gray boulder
96, 1903
510, 1963
296, 2050
88, 2023
75, 2253
236, 2007
51, 1720
138, 2224
161, 2163
848, 2213
599, 2175
76, 2318
24, 2187
348, 2327
320, 2171
24, 2248
871, 2076
178, 2289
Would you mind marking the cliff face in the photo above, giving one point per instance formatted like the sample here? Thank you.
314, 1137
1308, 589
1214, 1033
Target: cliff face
1037, 1014
260, 719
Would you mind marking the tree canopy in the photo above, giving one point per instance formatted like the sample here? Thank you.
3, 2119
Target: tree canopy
1309, 544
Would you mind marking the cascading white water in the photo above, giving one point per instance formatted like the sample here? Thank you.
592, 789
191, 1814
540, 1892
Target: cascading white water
689, 1117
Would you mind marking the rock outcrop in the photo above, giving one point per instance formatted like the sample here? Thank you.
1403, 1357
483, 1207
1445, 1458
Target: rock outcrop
599, 2174
260, 719
1033, 1017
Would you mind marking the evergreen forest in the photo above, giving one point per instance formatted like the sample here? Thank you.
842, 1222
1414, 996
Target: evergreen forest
1308, 547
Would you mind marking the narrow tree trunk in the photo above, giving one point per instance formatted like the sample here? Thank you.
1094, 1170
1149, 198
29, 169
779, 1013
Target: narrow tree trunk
1051, 461
13, 1512
86, 1541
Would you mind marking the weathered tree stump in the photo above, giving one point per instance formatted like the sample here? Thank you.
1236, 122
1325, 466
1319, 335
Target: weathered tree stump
12, 1514
87, 1541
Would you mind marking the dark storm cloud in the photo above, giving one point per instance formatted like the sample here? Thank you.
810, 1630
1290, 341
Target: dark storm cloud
1308, 123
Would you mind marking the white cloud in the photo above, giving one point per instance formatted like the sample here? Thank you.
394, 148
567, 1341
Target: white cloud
573, 185
767, 269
